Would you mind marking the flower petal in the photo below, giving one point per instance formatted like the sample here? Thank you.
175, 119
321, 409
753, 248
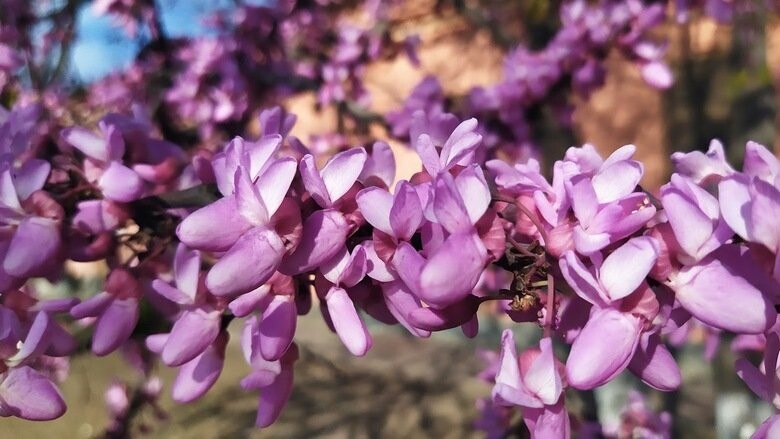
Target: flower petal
768, 429
355, 269
186, 270
692, 227
617, 180
8, 196
313, 182
654, 364
542, 378
583, 197
550, 421
31, 176
255, 300
582, 280
273, 398
193, 331
376, 267
89, 143
36, 341
342, 170
461, 143
171, 293
658, 74
448, 206
603, 348
120, 183
406, 215
348, 325
625, 268
473, 191
401, 302
248, 201
114, 326
734, 197
33, 247
277, 327
97, 216
249, 263
728, 291
427, 152
509, 388
760, 162
508, 365
260, 153
765, 215
324, 233
198, 229
91, 307
457, 314
275, 181
754, 378
197, 376
27, 394
452, 272
380, 163
375, 205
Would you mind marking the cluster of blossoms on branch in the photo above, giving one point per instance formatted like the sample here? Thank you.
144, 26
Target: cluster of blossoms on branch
591, 258
572, 61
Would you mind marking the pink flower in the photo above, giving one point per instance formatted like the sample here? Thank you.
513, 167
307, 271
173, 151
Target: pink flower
533, 381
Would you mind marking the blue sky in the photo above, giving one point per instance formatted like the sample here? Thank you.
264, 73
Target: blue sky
101, 47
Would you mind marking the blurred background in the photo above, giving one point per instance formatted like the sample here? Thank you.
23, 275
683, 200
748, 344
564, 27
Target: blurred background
727, 86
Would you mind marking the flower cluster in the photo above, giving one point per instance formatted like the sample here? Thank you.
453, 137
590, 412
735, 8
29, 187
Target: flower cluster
598, 263
573, 60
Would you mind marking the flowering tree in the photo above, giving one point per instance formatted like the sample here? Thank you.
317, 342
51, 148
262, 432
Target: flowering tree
215, 231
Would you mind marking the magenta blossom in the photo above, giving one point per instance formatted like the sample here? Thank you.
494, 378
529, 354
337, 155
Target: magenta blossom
115, 309
533, 381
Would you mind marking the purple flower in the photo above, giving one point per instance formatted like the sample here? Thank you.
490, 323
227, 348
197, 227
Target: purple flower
27, 394
273, 379
427, 96
116, 310
605, 203
398, 215
255, 185
727, 290
277, 121
272, 333
17, 126
379, 165
622, 306
448, 274
198, 375
750, 204
456, 149
24, 391
763, 381
694, 216
533, 381
342, 272
703, 168
638, 420
103, 165
325, 231
198, 324
328, 185
768, 429
31, 220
